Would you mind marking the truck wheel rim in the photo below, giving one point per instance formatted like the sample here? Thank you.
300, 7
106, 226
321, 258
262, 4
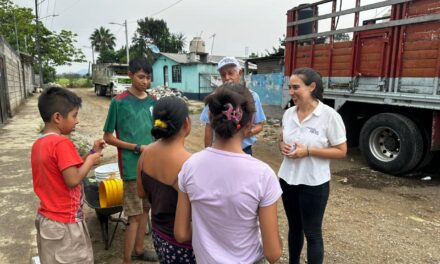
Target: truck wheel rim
384, 144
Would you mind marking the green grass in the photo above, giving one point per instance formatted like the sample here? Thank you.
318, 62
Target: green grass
71, 83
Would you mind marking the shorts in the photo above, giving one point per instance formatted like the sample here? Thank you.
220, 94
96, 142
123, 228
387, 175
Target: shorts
171, 253
262, 261
133, 204
63, 242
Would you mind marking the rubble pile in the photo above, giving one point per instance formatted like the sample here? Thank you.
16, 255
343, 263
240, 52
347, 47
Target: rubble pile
271, 130
161, 91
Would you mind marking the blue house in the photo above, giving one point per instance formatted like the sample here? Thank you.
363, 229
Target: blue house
194, 74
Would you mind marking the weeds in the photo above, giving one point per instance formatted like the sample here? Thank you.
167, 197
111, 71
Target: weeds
81, 144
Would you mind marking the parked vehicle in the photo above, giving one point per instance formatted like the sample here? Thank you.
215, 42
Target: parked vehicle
384, 81
110, 78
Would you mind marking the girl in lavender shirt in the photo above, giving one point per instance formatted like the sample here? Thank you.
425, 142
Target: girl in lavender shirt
227, 197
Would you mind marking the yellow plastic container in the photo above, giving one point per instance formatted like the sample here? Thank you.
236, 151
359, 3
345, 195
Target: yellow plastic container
111, 193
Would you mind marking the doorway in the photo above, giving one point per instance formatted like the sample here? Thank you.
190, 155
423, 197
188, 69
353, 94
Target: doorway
165, 76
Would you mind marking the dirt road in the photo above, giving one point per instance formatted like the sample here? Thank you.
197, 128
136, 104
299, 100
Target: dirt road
371, 217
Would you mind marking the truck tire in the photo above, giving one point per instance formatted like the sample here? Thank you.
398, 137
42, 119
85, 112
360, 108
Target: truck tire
102, 90
391, 143
427, 155
97, 89
112, 94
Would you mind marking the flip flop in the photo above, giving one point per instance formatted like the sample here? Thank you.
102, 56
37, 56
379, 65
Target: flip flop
145, 256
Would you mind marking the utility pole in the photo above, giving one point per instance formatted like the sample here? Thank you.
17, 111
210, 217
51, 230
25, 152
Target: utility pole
93, 54
126, 37
16, 33
126, 42
37, 44
25, 43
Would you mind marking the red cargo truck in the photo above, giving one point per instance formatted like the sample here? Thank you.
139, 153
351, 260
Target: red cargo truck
384, 80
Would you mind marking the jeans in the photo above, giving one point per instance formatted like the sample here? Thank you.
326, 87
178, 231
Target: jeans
305, 207
248, 150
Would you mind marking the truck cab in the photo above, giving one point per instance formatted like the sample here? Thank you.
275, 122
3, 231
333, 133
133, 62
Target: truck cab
110, 79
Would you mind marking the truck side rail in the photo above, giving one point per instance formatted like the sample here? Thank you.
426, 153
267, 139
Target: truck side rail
396, 62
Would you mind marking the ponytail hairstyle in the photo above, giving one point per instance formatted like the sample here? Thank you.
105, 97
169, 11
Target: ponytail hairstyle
309, 76
169, 114
231, 108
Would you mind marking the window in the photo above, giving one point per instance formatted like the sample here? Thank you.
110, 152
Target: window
177, 74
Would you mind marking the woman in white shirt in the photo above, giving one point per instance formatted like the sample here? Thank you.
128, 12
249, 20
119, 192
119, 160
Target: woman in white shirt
312, 134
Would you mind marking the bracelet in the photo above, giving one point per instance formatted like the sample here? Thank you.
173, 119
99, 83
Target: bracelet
92, 151
137, 149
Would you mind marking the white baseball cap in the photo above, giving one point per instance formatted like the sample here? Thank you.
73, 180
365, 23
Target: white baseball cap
227, 61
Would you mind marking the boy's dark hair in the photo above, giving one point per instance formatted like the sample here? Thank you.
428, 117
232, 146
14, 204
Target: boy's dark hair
56, 99
172, 111
140, 63
308, 76
238, 96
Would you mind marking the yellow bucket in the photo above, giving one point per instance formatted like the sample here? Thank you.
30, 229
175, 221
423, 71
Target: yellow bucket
111, 193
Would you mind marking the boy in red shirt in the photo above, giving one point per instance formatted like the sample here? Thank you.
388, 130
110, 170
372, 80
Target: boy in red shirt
57, 172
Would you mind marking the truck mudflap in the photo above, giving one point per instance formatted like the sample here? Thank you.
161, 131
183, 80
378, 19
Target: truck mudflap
435, 135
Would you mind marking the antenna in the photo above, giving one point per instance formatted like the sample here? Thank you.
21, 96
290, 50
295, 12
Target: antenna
212, 44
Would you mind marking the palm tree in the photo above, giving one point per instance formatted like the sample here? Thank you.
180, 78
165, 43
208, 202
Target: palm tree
178, 42
102, 39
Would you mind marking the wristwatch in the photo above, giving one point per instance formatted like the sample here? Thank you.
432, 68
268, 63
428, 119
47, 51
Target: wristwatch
137, 149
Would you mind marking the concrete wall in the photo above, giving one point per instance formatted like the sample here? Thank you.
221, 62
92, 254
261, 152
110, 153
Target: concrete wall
18, 75
269, 66
28, 74
269, 87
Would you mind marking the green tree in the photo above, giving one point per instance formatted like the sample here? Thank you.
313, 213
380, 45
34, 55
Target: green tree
12, 18
176, 43
18, 26
279, 49
59, 49
102, 39
156, 31
341, 37
108, 56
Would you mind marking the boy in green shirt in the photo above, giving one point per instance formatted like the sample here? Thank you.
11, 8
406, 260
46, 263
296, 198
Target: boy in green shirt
130, 116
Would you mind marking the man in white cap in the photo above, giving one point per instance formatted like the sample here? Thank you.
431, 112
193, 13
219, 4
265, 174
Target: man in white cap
231, 71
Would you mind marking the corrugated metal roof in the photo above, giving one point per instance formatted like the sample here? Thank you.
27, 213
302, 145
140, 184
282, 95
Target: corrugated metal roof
179, 58
215, 58
184, 58
212, 59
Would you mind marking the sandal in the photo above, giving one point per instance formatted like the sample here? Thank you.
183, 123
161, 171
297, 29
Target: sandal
146, 256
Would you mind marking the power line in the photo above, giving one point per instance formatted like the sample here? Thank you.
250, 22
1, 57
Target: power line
69, 7
166, 8
119, 30
47, 7
53, 13
156, 13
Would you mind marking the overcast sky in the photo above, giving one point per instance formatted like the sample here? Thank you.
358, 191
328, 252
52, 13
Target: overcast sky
255, 24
